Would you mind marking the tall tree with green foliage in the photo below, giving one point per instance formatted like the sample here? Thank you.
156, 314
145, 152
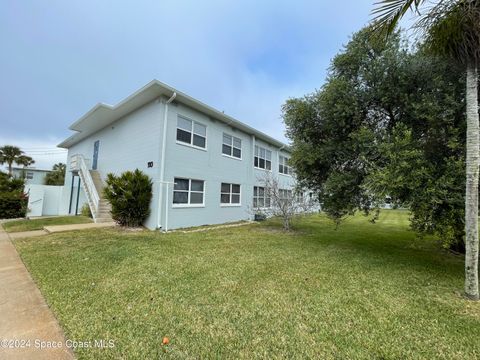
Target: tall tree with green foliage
57, 175
388, 122
12, 154
452, 29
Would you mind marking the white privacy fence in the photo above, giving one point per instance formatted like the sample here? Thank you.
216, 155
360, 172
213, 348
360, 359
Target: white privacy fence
43, 200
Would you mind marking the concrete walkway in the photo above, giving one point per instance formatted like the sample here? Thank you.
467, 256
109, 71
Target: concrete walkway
24, 314
62, 228
58, 228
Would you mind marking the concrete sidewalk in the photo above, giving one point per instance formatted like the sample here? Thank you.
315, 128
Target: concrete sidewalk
25, 316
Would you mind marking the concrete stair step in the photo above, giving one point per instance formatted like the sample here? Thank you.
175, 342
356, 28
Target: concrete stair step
97, 181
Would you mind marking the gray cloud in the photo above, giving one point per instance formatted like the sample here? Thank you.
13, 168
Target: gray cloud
246, 58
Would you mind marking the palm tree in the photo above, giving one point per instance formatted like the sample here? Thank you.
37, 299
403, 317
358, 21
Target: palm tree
12, 154
451, 28
57, 175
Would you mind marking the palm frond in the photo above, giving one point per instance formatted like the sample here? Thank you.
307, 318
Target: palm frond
453, 29
388, 13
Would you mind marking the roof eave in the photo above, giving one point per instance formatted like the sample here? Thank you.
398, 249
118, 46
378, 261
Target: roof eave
150, 91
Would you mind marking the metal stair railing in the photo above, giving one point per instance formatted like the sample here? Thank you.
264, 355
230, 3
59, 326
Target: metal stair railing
78, 163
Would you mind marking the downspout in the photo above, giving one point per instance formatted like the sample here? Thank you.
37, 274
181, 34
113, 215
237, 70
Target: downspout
253, 147
78, 196
252, 170
162, 162
71, 196
278, 155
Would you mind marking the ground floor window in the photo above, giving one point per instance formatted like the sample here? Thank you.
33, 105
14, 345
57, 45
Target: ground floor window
230, 194
260, 197
188, 191
284, 194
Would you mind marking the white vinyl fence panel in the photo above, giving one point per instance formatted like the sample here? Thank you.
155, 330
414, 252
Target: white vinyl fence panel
43, 200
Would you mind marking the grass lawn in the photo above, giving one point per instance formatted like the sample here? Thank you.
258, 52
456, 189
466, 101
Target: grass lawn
38, 224
364, 291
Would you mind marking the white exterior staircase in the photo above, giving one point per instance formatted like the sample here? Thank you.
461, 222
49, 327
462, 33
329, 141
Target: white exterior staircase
92, 185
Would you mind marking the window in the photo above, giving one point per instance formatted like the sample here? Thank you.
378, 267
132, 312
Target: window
232, 146
260, 197
192, 133
230, 194
29, 175
283, 167
188, 192
263, 158
284, 194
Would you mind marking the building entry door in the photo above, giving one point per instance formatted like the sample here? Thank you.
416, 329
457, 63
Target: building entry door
96, 145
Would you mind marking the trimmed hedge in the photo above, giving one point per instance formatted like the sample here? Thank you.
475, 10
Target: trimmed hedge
13, 205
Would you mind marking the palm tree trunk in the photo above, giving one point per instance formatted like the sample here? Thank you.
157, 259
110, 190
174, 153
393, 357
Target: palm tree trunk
10, 170
471, 196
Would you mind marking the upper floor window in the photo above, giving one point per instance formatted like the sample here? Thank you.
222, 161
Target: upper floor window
283, 167
230, 194
188, 191
232, 146
261, 199
191, 132
263, 158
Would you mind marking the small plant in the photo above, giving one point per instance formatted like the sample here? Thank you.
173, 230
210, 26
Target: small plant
130, 195
85, 211
285, 203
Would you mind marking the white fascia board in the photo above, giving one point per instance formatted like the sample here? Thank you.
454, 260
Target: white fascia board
101, 115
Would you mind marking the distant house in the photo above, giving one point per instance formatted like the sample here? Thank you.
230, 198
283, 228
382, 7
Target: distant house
206, 166
32, 176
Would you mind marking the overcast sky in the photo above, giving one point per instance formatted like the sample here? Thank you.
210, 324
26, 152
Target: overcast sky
59, 58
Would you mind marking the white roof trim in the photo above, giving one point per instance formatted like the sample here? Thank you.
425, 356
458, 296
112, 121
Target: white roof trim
102, 115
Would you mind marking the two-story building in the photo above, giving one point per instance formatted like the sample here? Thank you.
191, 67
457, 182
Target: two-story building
32, 176
206, 167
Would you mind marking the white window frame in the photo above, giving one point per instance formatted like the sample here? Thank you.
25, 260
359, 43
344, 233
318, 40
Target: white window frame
283, 161
192, 132
232, 146
285, 194
29, 175
257, 154
230, 204
264, 197
189, 192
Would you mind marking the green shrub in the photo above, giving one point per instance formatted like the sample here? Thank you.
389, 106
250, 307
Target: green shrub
10, 184
130, 195
85, 211
13, 205
13, 202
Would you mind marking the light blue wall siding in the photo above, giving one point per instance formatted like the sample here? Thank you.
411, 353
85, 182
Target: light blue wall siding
127, 144
214, 168
134, 140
